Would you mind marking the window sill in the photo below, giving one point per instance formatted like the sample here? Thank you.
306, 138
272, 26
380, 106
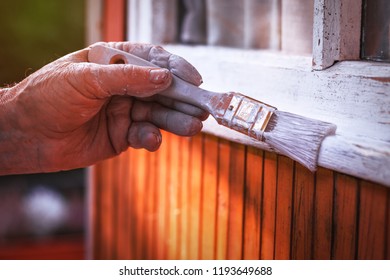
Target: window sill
354, 95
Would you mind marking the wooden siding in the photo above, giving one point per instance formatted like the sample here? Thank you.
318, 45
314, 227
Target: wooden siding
208, 198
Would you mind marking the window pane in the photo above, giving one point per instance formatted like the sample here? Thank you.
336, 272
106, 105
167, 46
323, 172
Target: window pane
376, 30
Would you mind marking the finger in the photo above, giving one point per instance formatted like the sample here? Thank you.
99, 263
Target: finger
144, 135
118, 122
162, 58
176, 64
165, 118
185, 108
122, 79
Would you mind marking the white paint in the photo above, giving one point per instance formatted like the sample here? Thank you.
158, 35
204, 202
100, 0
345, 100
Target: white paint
349, 94
336, 32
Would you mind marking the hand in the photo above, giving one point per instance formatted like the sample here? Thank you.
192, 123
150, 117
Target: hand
72, 113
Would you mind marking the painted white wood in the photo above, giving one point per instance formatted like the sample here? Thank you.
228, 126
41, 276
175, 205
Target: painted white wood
353, 95
336, 31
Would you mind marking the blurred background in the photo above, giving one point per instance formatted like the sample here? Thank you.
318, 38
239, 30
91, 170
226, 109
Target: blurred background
42, 216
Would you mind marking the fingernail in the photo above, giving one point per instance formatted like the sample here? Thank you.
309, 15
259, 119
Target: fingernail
157, 138
159, 76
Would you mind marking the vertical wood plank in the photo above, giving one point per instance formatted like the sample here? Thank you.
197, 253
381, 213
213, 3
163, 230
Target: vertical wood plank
174, 196
184, 186
118, 211
323, 213
345, 217
196, 174
150, 206
128, 211
95, 187
372, 218
223, 199
252, 212
107, 227
114, 20
236, 201
139, 201
162, 201
284, 202
209, 197
302, 231
269, 206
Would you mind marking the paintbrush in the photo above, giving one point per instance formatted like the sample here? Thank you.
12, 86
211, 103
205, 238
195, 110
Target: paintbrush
289, 134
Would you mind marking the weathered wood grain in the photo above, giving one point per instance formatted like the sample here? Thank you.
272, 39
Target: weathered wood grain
209, 197
222, 228
173, 185
336, 31
196, 175
185, 199
323, 214
106, 212
284, 205
303, 213
236, 201
253, 203
163, 207
372, 213
345, 218
268, 206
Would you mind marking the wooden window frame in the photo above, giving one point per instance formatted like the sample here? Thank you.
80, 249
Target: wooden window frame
330, 85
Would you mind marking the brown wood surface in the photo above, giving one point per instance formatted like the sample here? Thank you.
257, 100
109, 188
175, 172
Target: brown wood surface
195, 181
206, 198
345, 217
323, 214
372, 212
253, 195
269, 206
236, 201
223, 199
114, 20
209, 197
303, 210
284, 203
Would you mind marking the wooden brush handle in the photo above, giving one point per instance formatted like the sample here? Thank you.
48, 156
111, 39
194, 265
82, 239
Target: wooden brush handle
179, 89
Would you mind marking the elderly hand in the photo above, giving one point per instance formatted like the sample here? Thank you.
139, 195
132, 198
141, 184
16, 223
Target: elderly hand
72, 113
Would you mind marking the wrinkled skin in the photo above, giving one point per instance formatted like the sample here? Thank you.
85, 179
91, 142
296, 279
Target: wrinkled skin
72, 113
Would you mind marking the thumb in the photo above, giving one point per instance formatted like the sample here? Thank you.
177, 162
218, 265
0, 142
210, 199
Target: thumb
127, 79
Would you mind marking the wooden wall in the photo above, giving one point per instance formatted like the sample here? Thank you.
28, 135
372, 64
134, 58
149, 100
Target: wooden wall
207, 198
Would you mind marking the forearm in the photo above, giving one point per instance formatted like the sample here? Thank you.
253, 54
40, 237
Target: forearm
15, 153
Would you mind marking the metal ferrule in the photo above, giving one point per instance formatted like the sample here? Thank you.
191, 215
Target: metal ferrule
248, 116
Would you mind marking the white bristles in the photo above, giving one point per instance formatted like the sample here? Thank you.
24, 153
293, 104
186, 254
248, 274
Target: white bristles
297, 137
